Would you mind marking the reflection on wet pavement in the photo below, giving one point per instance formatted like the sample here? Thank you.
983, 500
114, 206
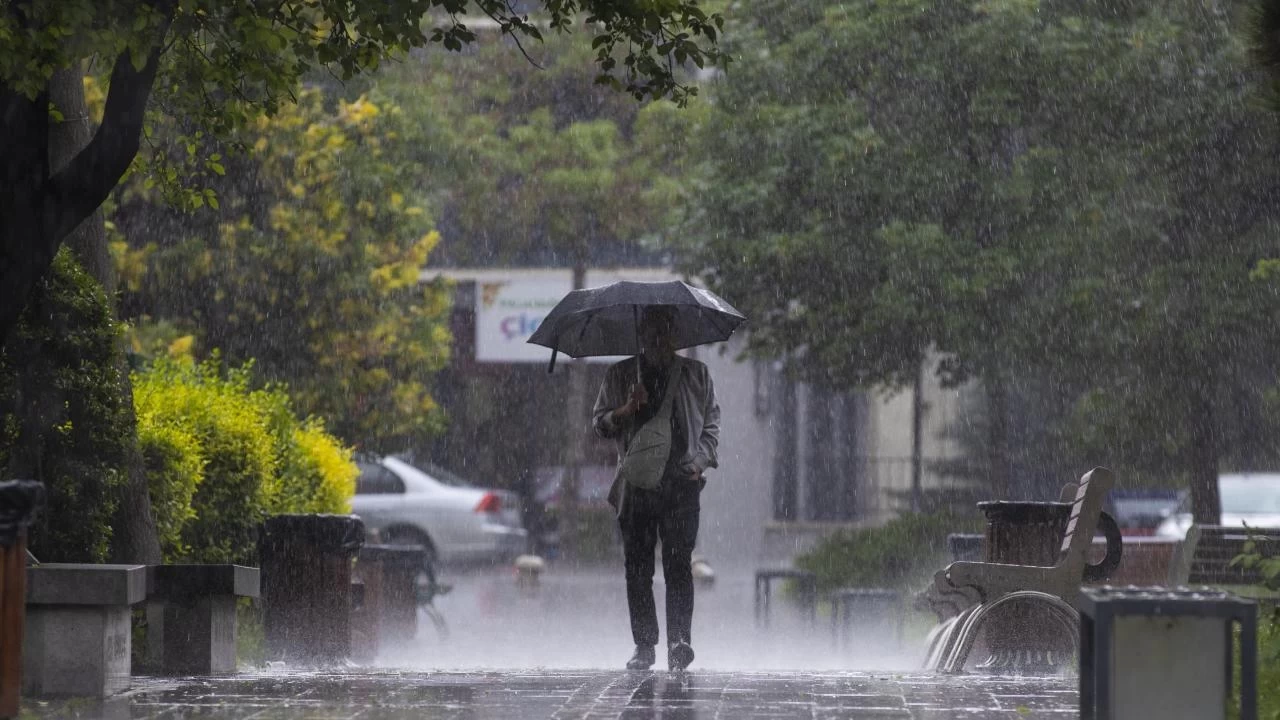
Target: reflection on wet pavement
387, 695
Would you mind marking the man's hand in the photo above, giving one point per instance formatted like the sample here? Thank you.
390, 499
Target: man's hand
691, 472
639, 397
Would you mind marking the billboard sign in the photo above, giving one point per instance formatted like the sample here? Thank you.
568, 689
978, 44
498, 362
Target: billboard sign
509, 310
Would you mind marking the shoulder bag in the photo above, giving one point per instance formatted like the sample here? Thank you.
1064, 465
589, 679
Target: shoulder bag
646, 458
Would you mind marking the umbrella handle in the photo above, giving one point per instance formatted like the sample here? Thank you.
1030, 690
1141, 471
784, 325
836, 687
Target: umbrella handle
552, 367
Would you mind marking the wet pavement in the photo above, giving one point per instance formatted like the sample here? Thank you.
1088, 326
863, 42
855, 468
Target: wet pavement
516, 653
561, 695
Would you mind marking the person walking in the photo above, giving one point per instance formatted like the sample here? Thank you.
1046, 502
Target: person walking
647, 392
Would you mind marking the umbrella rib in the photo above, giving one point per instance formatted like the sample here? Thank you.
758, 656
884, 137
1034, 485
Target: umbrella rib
583, 331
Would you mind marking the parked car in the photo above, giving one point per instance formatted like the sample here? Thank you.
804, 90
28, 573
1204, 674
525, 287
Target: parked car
429, 506
1140, 511
1252, 498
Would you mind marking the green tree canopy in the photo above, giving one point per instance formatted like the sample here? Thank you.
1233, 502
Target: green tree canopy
307, 265
1030, 189
537, 164
215, 64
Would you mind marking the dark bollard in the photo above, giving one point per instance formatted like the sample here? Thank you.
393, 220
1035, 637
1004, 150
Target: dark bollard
306, 586
388, 615
19, 501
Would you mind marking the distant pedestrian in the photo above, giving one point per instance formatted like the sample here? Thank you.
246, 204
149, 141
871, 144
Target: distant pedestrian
646, 393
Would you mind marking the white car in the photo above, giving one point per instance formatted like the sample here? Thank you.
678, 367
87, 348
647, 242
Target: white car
1252, 498
456, 522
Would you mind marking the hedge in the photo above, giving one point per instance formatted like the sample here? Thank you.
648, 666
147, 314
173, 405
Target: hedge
235, 454
901, 554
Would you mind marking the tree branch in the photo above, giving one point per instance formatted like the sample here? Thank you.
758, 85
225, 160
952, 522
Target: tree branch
78, 189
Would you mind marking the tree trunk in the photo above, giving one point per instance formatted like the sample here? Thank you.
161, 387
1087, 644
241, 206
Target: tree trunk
40, 208
24, 168
66, 139
134, 537
997, 434
1202, 455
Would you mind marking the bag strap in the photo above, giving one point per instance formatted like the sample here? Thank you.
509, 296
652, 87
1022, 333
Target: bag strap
672, 384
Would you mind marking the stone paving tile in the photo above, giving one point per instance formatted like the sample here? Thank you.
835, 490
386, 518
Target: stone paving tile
579, 695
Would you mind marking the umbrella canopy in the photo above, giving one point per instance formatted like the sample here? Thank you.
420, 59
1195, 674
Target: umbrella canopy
605, 320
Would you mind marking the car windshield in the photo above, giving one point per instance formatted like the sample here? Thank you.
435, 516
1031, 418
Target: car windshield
1250, 494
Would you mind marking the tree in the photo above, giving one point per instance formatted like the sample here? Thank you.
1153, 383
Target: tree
215, 63
580, 172
1014, 186
533, 166
307, 264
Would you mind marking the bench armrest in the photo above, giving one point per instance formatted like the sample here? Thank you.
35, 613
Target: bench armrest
996, 579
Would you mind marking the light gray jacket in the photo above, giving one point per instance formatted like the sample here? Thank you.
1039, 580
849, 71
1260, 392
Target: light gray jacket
694, 404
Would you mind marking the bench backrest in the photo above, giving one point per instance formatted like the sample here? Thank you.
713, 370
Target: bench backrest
1206, 554
1078, 537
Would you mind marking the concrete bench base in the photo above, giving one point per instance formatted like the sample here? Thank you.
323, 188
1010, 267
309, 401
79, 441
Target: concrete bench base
77, 633
195, 636
191, 617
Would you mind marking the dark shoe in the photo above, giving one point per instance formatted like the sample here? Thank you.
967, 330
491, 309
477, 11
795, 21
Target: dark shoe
643, 659
680, 656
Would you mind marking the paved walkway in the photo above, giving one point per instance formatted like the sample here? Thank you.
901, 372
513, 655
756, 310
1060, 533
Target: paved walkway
562, 695
537, 656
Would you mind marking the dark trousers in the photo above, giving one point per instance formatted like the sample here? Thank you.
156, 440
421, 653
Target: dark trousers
669, 514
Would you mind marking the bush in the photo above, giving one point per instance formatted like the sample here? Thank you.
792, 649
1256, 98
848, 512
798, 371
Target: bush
63, 412
174, 462
901, 554
236, 453
317, 474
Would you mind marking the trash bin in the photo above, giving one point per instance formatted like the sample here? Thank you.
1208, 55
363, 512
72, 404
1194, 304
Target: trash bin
388, 615
19, 501
306, 586
1165, 653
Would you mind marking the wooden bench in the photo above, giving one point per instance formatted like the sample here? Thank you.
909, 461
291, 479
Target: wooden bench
1206, 557
1035, 621
968, 581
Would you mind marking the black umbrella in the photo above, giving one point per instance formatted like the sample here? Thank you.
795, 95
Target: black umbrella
606, 320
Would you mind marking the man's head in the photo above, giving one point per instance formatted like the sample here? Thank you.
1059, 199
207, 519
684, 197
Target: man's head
657, 332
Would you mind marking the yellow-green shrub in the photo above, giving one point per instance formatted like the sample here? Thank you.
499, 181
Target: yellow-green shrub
217, 410
174, 461
317, 476
235, 454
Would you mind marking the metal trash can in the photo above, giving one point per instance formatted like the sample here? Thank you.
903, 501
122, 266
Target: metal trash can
1165, 653
388, 615
19, 502
306, 586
